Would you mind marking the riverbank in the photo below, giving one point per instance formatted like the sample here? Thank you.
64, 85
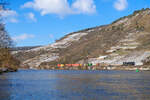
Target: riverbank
6, 70
109, 67
117, 68
128, 68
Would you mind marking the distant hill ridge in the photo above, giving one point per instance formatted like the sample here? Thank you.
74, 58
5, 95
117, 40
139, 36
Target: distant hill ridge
24, 48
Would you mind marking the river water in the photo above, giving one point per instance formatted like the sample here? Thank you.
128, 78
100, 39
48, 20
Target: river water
75, 85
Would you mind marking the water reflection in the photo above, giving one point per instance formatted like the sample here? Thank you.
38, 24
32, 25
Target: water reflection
4, 87
104, 85
75, 85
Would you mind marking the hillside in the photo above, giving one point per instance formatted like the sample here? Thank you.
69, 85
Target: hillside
124, 40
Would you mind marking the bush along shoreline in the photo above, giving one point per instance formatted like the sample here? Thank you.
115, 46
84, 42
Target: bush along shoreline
7, 62
6, 70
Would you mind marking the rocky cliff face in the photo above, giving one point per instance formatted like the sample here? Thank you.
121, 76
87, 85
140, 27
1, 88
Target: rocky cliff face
125, 40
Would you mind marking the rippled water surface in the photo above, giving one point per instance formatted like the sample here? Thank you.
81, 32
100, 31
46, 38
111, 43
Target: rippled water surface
75, 85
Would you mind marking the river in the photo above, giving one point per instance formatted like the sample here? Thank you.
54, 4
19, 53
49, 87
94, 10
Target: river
75, 85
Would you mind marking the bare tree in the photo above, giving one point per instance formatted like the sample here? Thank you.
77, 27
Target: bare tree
6, 59
5, 40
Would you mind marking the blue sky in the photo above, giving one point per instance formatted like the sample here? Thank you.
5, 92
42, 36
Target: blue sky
41, 22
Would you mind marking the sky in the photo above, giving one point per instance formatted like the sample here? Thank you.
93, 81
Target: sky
41, 22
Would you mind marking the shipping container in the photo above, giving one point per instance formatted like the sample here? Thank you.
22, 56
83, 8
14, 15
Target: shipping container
68, 65
75, 65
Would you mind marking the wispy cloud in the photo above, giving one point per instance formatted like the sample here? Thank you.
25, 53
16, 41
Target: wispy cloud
61, 7
121, 5
31, 16
6, 13
84, 6
13, 20
27, 5
23, 37
9, 15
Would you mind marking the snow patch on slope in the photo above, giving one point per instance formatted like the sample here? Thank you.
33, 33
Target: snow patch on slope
67, 41
36, 61
137, 57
